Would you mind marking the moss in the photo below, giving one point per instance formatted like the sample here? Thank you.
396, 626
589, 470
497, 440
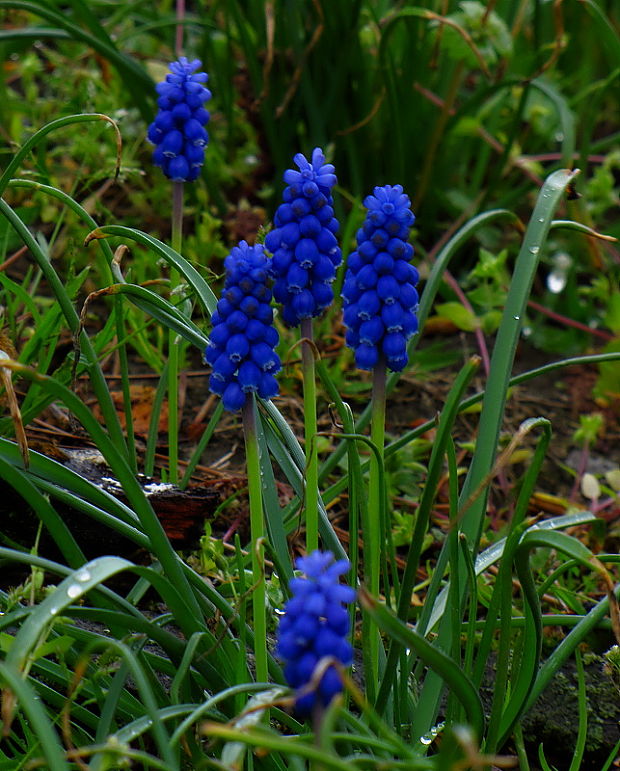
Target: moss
554, 719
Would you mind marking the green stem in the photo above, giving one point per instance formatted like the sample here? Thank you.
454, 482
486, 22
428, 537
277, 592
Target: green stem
257, 536
173, 342
312, 471
374, 528
373, 538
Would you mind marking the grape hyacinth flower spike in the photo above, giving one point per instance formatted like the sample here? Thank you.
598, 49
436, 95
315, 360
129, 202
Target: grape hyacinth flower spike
242, 341
380, 299
379, 311
179, 135
243, 361
315, 624
305, 258
303, 243
178, 131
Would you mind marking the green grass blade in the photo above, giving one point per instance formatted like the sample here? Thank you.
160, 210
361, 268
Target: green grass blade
40, 135
494, 553
582, 733
564, 650
435, 469
438, 661
501, 599
271, 505
48, 515
566, 118
68, 591
522, 684
505, 348
161, 310
160, 545
202, 445
56, 285
608, 33
427, 299
294, 451
38, 720
173, 258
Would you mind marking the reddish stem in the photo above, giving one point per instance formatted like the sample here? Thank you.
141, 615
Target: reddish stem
569, 322
179, 29
482, 345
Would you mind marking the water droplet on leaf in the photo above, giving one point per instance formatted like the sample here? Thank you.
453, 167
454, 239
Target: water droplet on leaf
83, 576
74, 591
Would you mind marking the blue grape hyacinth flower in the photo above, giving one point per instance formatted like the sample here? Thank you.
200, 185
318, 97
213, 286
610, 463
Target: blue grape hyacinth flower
242, 342
178, 131
380, 298
315, 624
303, 243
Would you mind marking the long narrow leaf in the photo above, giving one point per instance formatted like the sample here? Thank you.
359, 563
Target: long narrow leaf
39, 722
442, 664
191, 275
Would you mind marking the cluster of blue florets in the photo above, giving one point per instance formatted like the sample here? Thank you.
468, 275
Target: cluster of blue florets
178, 131
380, 299
315, 624
303, 242
242, 342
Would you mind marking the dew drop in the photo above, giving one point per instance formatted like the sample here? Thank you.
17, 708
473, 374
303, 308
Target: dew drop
534, 249
432, 734
541, 219
74, 591
54, 610
83, 576
517, 318
556, 281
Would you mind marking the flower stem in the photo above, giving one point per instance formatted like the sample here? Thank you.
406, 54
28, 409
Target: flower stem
178, 43
173, 343
312, 474
257, 534
373, 528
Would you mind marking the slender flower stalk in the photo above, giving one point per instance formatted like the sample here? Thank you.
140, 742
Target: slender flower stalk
305, 257
179, 135
377, 436
380, 303
259, 595
243, 361
178, 46
310, 430
174, 341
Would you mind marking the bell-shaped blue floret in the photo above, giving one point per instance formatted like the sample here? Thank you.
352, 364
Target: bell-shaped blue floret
366, 356
233, 397
248, 376
268, 386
